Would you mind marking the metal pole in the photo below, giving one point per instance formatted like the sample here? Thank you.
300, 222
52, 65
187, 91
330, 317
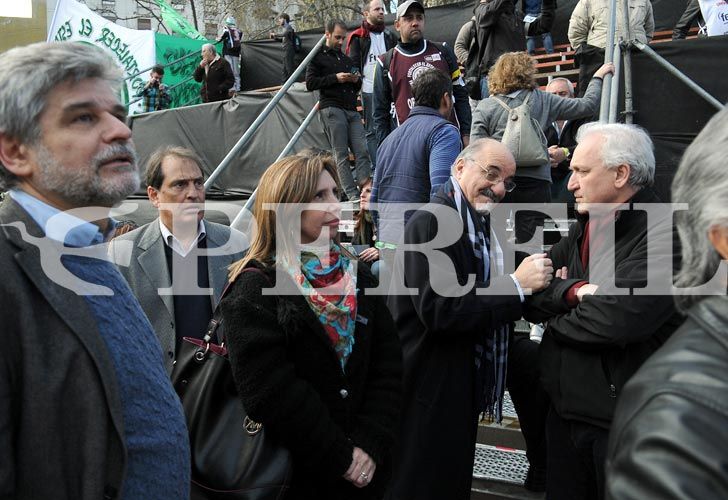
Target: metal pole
614, 97
262, 116
242, 220
627, 56
608, 57
678, 74
165, 65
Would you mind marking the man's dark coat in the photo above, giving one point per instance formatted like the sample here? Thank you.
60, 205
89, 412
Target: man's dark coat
439, 334
61, 429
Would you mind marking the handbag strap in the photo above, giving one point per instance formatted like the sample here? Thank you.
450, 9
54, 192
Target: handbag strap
216, 319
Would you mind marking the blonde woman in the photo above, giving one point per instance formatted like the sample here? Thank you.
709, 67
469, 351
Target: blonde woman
322, 372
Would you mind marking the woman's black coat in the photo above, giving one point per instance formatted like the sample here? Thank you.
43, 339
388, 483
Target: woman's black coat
290, 379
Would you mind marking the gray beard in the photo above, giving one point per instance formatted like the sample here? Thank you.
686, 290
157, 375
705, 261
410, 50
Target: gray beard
82, 186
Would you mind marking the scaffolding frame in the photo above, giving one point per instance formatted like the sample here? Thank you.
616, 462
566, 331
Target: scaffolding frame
623, 47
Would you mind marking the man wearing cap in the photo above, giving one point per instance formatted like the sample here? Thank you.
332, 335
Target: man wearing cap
400, 66
231, 39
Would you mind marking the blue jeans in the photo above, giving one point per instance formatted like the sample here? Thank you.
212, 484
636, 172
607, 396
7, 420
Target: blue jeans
367, 102
484, 87
548, 43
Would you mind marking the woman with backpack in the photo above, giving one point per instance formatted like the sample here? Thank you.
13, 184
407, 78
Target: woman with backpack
511, 83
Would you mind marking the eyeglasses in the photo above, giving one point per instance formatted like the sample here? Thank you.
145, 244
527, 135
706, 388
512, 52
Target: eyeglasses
493, 176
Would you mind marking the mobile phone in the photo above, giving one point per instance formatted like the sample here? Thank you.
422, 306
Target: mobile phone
354, 70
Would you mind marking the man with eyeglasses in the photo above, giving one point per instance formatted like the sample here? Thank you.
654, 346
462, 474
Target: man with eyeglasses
337, 78
457, 340
178, 251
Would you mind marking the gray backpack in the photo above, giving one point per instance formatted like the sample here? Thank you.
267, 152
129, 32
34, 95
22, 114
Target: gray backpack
523, 135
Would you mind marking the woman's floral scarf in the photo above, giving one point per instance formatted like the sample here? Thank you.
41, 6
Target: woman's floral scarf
336, 310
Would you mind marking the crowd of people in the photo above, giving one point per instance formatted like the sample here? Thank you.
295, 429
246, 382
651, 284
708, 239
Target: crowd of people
371, 361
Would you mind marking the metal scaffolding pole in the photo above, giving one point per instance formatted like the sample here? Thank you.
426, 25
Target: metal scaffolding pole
614, 96
678, 74
627, 56
608, 57
263, 115
242, 220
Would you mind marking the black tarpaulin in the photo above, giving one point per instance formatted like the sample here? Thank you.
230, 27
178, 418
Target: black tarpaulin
211, 130
262, 59
670, 111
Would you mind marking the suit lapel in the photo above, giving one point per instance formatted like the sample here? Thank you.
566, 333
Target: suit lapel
154, 262
71, 308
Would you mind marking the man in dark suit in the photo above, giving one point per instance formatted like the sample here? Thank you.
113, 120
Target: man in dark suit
177, 265
86, 408
455, 340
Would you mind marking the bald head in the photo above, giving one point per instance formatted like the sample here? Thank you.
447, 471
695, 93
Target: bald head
482, 170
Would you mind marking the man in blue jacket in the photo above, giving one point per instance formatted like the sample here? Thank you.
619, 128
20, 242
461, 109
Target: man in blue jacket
415, 159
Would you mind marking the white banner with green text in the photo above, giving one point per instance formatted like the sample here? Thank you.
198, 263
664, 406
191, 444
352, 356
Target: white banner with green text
133, 50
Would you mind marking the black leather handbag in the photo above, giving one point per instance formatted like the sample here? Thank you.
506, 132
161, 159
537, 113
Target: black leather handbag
232, 458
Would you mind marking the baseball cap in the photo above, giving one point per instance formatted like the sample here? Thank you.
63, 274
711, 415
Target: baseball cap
404, 7
230, 21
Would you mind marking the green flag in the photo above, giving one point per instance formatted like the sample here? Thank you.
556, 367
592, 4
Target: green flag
177, 23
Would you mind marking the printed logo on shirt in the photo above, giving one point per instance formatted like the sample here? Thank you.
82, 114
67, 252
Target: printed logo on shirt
417, 69
432, 57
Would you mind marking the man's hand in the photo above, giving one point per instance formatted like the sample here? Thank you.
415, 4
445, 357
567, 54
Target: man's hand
556, 155
584, 290
203, 63
343, 77
562, 273
369, 255
362, 468
605, 70
535, 272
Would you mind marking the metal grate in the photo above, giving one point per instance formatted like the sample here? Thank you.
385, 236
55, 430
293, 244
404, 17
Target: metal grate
509, 411
504, 465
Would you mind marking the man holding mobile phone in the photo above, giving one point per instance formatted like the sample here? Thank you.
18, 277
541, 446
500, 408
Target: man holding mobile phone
155, 94
338, 81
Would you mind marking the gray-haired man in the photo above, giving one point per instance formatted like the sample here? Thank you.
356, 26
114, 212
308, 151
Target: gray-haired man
599, 331
86, 408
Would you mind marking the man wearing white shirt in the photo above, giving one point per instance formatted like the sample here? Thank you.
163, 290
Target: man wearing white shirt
364, 45
173, 270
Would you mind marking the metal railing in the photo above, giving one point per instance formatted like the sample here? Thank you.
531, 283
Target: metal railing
263, 115
242, 220
623, 47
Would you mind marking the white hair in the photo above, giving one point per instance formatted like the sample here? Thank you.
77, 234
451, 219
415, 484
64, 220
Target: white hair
701, 182
566, 81
210, 47
624, 145
29, 74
